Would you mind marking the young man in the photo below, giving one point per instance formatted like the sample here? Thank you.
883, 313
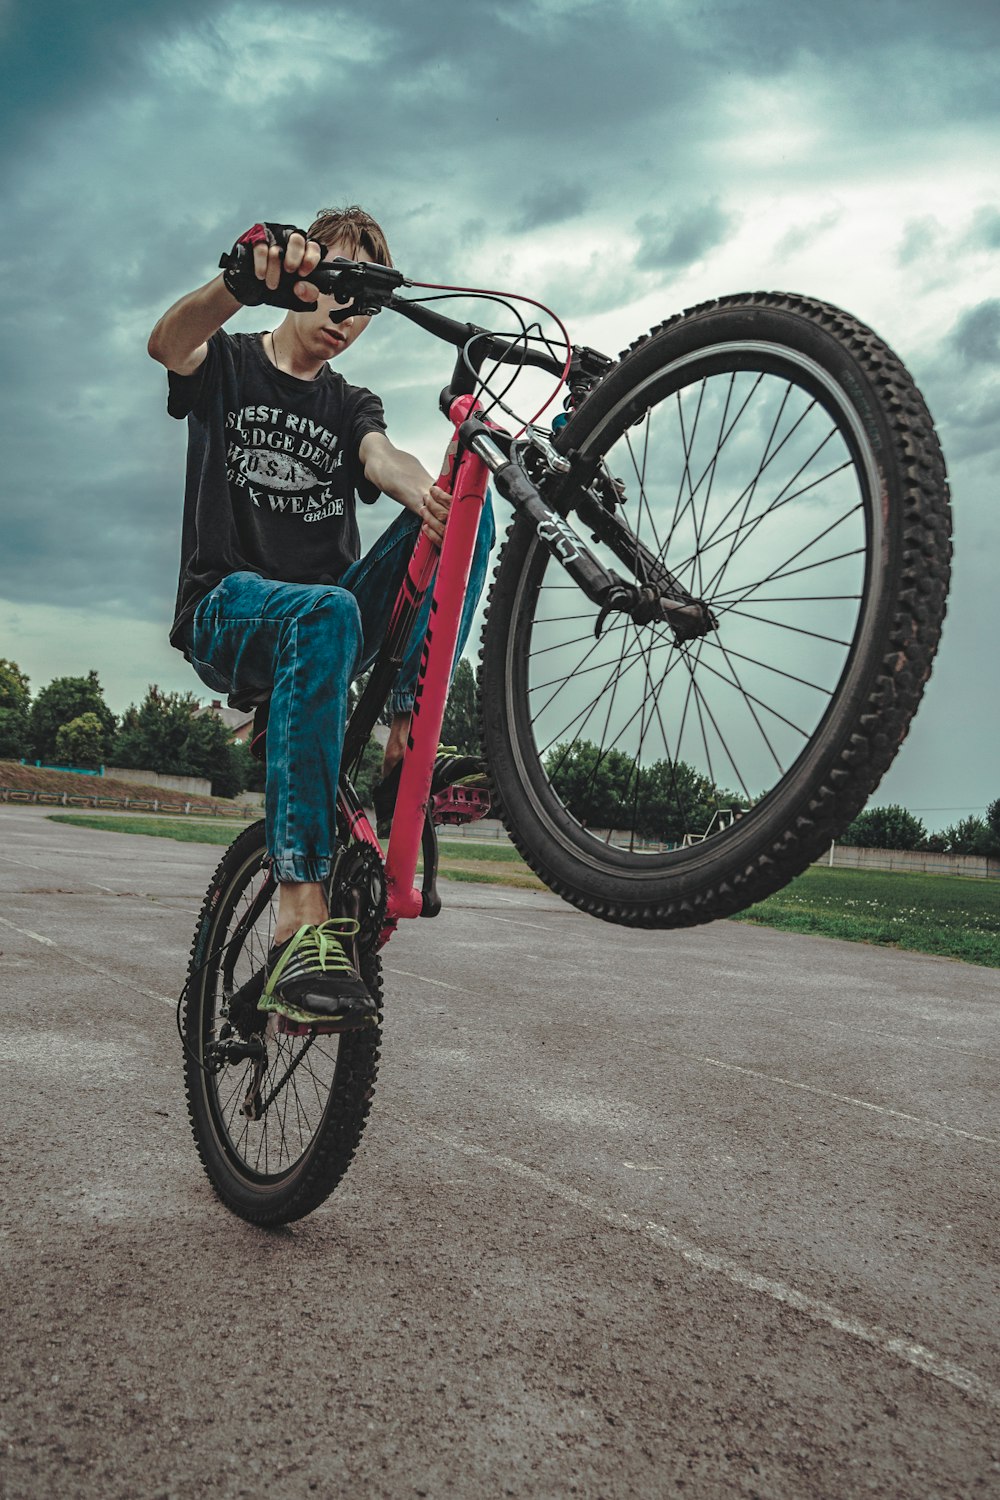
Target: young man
272, 595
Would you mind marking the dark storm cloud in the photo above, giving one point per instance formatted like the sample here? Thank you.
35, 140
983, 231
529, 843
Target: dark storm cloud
802, 235
56, 53
976, 335
920, 238
984, 232
668, 242
960, 380
551, 202
460, 125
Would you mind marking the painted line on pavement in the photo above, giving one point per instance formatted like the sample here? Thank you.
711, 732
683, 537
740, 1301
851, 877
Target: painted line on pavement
84, 963
424, 978
805, 1020
897, 1346
49, 870
810, 1088
513, 922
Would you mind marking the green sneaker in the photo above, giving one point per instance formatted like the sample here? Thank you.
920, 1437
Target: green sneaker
311, 978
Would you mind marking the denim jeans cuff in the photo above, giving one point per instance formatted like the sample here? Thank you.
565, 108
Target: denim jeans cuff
301, 869
401, 701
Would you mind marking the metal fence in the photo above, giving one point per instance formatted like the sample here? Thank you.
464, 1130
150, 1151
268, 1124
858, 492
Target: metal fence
134, 804
840, 856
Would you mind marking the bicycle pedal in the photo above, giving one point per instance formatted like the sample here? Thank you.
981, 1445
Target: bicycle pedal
287, 1027
460, 804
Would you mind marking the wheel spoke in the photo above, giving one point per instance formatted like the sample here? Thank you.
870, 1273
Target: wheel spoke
737, 485
296, 1079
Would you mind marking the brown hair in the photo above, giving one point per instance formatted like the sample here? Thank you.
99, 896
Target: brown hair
355, 229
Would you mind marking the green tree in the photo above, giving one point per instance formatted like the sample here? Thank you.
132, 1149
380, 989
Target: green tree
889, 827
597, 787
15, 740
80, 742
154, 736
210, 752
65, 699
993, 822
460, 726
369, 771
969, 836
167, 734
13, 686
664, 801
674, 800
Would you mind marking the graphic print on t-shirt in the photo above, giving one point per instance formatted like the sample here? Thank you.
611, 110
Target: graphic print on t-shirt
284, 462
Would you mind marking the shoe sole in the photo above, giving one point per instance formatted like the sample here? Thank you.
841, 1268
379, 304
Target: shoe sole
311, 1020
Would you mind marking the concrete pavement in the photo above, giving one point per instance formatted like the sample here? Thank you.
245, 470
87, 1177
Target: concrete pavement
701, 1213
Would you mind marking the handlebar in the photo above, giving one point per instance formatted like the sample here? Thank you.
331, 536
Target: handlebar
370, 287
367, 287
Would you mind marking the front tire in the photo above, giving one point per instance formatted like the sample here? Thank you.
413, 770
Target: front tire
775, 456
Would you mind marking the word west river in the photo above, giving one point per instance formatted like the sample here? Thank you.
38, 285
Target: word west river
288, 456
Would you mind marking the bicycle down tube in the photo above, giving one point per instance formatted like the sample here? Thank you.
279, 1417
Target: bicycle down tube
434, 679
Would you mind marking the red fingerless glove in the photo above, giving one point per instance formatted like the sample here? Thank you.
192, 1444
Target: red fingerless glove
240, 278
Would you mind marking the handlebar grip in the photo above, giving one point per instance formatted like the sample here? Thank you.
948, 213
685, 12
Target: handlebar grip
364, 287
238, 274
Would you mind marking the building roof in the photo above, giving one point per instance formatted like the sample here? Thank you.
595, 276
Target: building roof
234, 719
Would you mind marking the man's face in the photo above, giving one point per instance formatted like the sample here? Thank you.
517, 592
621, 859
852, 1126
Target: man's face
326, 338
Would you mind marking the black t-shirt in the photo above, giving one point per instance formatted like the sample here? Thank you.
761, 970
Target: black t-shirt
272, 471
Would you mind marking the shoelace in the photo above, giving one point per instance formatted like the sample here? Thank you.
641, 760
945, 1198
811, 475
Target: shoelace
321, 948
322, 943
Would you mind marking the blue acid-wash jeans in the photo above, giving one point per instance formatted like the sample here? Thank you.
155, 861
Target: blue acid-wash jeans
304, 644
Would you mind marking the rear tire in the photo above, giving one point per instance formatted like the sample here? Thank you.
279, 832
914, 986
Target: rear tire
775, 456
280, 1166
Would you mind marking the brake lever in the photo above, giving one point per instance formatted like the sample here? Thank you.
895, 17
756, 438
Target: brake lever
365, 286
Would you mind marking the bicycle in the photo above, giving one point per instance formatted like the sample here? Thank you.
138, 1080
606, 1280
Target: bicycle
759, 600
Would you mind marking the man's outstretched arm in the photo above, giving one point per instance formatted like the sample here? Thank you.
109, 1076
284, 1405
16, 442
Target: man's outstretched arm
180, 338
404, 477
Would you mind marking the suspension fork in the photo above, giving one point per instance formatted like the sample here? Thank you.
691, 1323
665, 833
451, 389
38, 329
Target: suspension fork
660, 597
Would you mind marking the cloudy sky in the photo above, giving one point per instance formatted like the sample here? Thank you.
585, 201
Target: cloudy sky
619, 158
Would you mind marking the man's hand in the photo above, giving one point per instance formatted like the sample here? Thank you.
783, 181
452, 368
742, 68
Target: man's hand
279, 253
434, 508
300, 255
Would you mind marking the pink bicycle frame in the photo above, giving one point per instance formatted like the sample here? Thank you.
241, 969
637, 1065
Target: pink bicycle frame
468, 489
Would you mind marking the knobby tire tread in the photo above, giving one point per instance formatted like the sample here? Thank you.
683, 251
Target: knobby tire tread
909, 646
344, 1119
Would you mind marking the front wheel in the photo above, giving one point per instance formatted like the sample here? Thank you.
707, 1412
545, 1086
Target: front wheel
277, 1109
773, 457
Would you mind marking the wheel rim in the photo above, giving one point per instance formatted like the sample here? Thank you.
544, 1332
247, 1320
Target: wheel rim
297, 1080
749, 474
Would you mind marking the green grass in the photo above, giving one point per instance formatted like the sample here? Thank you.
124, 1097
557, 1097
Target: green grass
504, 872
487, 864
497, 853
940, 914
189, 830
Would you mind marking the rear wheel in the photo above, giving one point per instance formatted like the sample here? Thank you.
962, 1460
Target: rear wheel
277, 1111
774, 456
